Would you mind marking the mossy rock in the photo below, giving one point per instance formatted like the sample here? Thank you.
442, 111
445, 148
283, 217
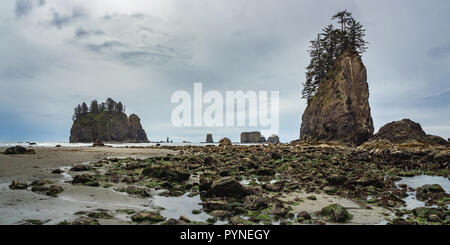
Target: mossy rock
336, 213
151, 217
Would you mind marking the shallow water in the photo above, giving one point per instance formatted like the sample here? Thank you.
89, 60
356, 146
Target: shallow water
65, 144
418, 181
174, 207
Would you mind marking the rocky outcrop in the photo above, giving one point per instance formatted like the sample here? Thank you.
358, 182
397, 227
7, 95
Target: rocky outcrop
209, 138
108, 127
273, 139
340, 111
252, 137
225, 142
18, 150
404, 131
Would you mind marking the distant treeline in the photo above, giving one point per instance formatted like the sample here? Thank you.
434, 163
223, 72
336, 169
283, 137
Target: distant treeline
109, 106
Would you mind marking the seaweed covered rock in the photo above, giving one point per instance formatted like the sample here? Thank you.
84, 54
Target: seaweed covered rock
340, 111
16, 185
228, 187
336, 213
151, 217
166, 174
427, 192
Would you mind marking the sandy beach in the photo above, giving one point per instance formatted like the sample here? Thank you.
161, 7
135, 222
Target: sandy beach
17, 206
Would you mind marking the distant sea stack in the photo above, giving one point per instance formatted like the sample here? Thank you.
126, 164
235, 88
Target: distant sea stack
340, 111
252, 137
209, 138
106, 122
273, 139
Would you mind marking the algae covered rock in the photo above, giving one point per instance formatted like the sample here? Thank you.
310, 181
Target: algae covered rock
336, 213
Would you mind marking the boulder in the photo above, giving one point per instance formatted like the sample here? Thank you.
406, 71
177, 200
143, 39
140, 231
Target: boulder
166, 174
252, 137
16, 185
225, 142
98, 143
255, 202
336, 213
209, 138
228, 187
273, 139
151, 217
340, 111
18, 150
427, 192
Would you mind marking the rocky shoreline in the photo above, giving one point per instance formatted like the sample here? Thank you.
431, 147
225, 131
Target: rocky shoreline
296, 183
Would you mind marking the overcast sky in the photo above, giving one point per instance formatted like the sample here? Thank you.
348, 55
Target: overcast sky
56, 54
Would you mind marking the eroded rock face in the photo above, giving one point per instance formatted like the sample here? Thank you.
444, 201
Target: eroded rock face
108, 127
252, 137
404, 131
340, 111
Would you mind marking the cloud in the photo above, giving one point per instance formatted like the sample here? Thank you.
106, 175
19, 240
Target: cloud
24, 7
440, 52
61, 20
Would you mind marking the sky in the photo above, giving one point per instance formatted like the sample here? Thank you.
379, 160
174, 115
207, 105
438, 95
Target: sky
56, 54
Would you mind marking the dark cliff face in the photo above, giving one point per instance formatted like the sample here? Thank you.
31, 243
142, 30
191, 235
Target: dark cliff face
340, 111
107, 127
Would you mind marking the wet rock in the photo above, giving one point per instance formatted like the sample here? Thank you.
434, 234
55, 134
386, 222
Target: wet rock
336, 213
54, 190
399, 221
209, 160
275, 155
427, 192
85, 221
39, 189
98, 143
337, 180
225, 142
221, 214
228, 187
184, 219
265, 172
133, 190
312, 198
83, 178
18, 150
254, 202
151, 217
80, 167
305, 215
217, 205
16, 185
434, 218
166, 174
57, 171
330, 189
340, 111
279, 210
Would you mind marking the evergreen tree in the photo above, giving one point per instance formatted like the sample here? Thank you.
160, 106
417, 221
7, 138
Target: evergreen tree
119, 107
84, 109
328, 46
110, 105
94, 106
101, 107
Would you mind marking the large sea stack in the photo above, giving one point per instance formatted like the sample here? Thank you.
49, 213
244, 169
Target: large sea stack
340, 111
107, 125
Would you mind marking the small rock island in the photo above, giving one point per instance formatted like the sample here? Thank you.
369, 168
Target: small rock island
106, 122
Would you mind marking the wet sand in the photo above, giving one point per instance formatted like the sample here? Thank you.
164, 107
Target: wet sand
16, 206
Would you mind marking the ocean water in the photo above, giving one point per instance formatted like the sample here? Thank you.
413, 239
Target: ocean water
65, 144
